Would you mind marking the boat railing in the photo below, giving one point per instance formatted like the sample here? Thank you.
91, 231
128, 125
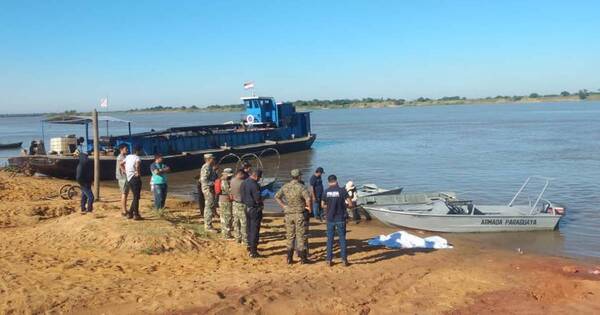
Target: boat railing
539, 197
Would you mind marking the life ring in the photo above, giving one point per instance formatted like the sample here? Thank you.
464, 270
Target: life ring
250, 119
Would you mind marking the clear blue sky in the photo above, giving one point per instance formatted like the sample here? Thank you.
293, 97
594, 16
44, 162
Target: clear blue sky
57, 55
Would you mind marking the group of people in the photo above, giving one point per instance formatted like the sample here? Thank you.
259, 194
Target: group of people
299, 202
128, 175
240, 201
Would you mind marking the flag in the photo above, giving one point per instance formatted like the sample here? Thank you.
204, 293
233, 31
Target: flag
248, 85
104, 102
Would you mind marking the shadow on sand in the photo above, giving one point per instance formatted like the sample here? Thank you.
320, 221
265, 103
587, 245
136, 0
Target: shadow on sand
318, 249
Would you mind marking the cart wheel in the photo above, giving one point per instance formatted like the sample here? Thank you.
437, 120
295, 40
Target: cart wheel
73, 191
27, 169
64, 191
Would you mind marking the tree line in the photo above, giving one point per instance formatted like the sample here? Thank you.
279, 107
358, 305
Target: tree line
367, 102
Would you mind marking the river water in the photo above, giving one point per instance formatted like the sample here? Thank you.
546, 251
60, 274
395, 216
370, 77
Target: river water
482, 152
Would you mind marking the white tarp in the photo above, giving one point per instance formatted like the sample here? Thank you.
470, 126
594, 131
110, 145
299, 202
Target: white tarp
403, 239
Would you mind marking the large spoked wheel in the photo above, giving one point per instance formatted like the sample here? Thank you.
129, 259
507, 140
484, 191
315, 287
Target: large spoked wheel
27, 169
273, 166
64, 191
227, 158
251, 158
68, 191
73, 192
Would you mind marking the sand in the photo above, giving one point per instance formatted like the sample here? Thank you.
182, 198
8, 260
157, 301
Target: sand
55, 260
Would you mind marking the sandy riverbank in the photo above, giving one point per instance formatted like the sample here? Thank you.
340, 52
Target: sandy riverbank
55, 260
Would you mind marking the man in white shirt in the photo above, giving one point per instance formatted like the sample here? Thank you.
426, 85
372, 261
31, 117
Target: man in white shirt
132, 170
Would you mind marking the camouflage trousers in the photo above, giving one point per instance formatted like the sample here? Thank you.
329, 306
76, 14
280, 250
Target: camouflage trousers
209, 205
226, 213
306, 231
240, 224
295, 231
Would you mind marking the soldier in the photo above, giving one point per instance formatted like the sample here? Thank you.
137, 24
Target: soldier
239, 208
297, 199
207, 177
225, 206
307, 215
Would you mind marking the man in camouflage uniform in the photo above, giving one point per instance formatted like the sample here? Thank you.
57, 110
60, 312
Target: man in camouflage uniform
297, 200
207, 181
225, 206
240, 225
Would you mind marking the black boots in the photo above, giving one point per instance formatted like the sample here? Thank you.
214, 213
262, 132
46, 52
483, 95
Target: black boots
136, 215
304, 257
253, 252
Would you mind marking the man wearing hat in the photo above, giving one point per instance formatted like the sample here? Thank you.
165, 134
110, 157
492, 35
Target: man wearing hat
353, 207
225, 206
316, 191
353, 196
207, 177
297, 199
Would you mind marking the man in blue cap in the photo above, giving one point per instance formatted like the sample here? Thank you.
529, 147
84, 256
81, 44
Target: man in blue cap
335, 199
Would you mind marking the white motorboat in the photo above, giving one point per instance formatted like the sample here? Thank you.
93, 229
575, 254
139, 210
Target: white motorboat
442, 212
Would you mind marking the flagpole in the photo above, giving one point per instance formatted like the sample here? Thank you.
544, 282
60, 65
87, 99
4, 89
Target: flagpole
106, 112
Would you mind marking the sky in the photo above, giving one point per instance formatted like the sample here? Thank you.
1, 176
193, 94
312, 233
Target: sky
63, 55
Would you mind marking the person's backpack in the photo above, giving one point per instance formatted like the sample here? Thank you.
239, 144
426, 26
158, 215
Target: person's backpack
218, 189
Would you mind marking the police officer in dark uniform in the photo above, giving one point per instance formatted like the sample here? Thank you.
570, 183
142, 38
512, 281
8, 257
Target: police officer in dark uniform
254, 210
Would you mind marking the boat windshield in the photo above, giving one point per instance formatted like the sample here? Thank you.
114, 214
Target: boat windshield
265, 103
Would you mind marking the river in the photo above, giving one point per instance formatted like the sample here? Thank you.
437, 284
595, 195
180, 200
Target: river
482, 152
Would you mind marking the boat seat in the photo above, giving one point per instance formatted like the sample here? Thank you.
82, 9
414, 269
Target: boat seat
417, 198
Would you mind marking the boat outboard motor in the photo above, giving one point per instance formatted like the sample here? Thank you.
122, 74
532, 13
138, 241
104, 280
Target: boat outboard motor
37, 148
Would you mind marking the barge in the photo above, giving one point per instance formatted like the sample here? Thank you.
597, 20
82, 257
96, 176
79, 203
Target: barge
267, 125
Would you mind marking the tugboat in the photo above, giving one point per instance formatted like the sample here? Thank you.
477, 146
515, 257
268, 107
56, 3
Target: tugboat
267, 125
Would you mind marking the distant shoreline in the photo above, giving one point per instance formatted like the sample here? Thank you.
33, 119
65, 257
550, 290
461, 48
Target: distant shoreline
354, 103
21, 115
326, 105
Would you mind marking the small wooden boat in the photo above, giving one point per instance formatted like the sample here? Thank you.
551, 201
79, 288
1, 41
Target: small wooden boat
440, 212
372, 189
10, 145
